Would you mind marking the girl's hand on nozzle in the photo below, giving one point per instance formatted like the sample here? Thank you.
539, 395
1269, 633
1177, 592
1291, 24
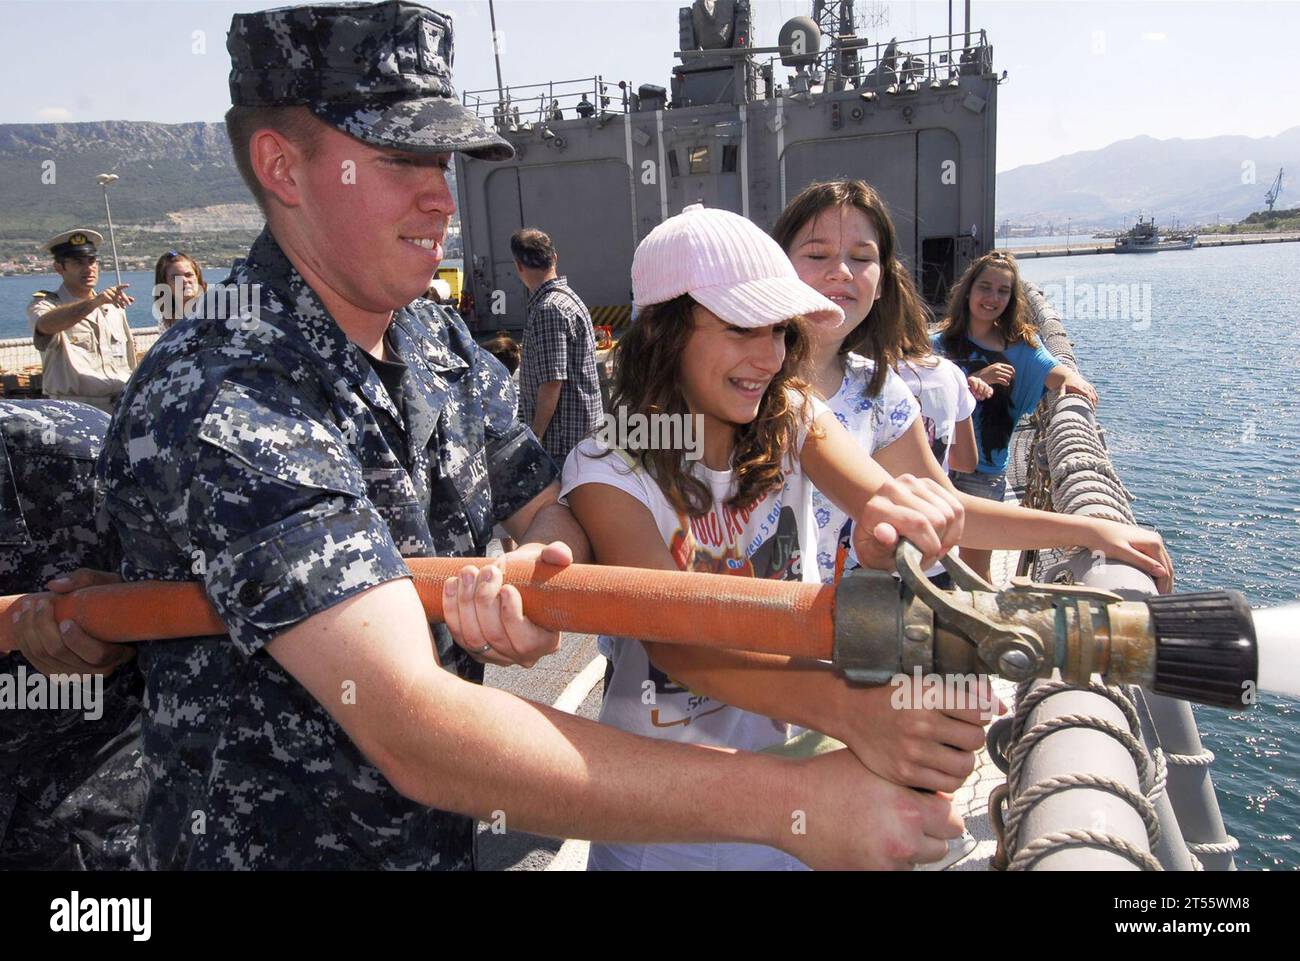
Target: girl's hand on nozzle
917, 508
896, 731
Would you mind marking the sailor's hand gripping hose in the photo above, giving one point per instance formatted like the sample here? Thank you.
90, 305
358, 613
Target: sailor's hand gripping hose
872, 626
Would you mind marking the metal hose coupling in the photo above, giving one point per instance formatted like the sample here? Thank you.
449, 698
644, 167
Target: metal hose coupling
1199, 647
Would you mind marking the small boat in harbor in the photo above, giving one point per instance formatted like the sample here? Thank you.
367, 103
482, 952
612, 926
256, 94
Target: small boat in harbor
1143, 238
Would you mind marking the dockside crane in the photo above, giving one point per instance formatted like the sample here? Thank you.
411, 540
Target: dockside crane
1274, 191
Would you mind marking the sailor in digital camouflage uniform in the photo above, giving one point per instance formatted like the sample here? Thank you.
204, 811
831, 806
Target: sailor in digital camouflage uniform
70, 786
87, 350
276, 460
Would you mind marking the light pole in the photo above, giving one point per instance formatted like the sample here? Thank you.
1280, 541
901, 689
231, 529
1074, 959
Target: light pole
104, 180
1068, 221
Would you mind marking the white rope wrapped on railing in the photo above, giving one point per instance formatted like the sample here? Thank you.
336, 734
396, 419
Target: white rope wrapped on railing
1011, 803
1080, 479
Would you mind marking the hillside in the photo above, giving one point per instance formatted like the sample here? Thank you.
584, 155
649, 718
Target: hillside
178, 187
1190, 181
163, 168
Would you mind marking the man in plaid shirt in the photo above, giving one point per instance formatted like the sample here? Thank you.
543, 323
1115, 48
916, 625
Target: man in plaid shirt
559, 391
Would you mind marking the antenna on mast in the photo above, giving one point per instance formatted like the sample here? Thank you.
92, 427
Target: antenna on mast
502, 106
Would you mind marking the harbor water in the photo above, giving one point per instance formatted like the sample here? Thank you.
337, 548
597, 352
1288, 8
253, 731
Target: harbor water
1199, 382
1196, 356
16, 294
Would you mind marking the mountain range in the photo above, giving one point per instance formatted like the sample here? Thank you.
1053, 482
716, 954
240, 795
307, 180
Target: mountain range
1190, 181
51, 168
173, 177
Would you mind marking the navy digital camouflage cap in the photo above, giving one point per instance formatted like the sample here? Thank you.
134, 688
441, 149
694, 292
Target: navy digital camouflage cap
378, 71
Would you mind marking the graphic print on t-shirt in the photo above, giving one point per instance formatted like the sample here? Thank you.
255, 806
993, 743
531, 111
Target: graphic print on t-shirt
709, 544
938, 445
771, 537
663, 684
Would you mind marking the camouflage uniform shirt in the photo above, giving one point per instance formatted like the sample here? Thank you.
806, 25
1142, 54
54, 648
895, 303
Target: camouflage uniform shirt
69, 783
264, 455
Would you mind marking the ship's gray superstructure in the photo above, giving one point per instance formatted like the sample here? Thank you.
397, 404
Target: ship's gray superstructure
599, 164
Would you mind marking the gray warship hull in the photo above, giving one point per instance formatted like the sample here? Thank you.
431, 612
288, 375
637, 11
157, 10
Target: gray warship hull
916, 119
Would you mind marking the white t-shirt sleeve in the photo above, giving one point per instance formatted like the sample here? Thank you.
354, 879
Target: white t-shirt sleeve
898, 408
965, 399
588, 463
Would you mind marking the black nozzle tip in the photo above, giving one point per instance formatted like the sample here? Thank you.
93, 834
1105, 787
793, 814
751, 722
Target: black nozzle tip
1205, 647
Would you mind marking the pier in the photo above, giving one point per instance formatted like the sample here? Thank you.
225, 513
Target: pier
1095, 247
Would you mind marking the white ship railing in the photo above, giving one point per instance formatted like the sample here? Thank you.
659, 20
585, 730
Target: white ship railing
538, 103
18, 355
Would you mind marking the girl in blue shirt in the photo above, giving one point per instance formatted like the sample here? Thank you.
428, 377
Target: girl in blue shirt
987, 333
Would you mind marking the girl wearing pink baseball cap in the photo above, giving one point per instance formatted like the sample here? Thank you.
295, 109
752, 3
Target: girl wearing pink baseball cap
718, 349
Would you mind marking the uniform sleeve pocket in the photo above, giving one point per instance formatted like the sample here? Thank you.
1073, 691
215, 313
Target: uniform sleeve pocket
289, 528
270, 437
268, 582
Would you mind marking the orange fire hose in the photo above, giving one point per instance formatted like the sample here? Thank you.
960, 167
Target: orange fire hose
706, 610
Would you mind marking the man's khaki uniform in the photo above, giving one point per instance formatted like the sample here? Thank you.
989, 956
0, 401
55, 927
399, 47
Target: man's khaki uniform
89, 362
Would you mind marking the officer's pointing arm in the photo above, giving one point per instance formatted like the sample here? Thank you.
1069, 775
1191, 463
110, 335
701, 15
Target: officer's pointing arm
55, 320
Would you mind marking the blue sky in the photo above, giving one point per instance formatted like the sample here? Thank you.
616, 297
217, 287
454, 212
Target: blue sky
1082, 74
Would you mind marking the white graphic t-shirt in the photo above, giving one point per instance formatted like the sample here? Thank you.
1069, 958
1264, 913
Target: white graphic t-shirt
771, 538
874, 421
945, 400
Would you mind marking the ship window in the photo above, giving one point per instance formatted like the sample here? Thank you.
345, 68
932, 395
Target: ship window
729, 152
673, 168
699, 160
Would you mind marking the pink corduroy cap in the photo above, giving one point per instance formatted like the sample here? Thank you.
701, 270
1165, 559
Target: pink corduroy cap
727, 264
